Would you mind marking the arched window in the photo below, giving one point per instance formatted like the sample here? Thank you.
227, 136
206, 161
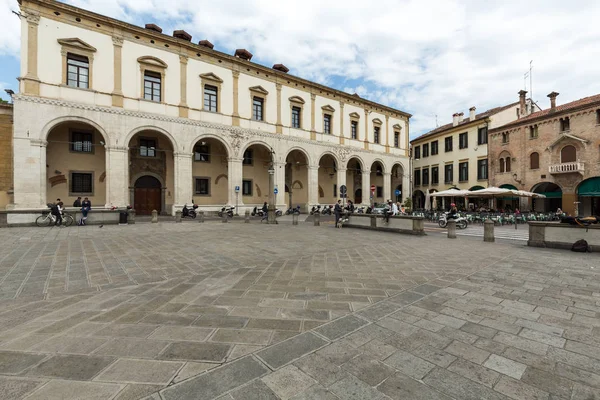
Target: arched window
502, 165
568, 154
507, 163
534, 161
505, 137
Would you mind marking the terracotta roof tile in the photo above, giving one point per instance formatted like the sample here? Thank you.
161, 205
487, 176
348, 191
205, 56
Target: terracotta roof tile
559, 109
465, 121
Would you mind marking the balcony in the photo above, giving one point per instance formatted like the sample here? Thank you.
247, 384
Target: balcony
567, 168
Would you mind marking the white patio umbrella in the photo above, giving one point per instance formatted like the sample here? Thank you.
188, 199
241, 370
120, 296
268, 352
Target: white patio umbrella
451, 193
499, 192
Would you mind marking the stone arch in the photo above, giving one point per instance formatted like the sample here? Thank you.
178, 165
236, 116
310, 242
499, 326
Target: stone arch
332, 154
144, 128
133, 179
251, 143
226, 144
357, 157
301, 150
380, 161
62, 120
218, 178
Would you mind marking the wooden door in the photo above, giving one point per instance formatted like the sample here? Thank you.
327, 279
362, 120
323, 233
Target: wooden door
146, 200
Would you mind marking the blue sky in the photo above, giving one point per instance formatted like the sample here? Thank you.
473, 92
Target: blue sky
431, 58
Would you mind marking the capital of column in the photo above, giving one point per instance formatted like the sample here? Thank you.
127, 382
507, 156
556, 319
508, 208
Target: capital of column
235, 159
116, 149
312, 167
339, 170
183, 59
117, 41
38, 143
278, 86
366, 171
387, 174
236, 74
313, 96
32, 17
182, 155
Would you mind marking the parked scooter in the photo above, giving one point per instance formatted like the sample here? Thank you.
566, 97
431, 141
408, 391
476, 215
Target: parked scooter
189, 212
327, 210
461, 222
227, 210
293, 210
360, 210
315, 210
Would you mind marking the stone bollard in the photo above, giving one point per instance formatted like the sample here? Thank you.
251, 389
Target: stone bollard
317, 219
488, 231
200, 216
224, 217
154, 216
131, 218
451, 229
295, 216
177, 216
247, 217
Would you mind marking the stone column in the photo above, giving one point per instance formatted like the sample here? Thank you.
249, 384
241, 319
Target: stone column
342, 137
236, 114
387, 186
341, 180
29, 173
183, 178
117, 185
366, 186
387, 134
313, 185
117, 94
366, 141
279, 124
280, 198
234, 178
313, 132
183, 106
31, 81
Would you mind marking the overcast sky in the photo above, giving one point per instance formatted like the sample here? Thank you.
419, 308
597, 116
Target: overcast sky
425, 57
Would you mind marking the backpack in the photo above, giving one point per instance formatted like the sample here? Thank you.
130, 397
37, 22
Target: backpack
580, 246
54, 209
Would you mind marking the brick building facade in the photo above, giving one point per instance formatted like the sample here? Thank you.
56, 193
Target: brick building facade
6, 153
556, 152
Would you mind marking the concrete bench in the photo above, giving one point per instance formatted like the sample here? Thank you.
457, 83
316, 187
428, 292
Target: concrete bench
562, 236
399, 224
96, 216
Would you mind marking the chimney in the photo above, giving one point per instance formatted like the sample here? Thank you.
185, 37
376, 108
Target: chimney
206, 43
181, 34
522, 103
454, 119
154, 27
553, 100
243, 54
472, 113
460, 117
281, 67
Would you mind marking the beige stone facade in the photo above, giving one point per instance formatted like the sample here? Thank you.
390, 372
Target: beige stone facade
455, 155
6, 154
554, 152
127, 115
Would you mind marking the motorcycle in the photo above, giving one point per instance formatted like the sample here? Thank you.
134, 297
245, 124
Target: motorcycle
461, 222
228, 210
186, 212
256, 211
360, 210
293, 210
315, 210
327, 210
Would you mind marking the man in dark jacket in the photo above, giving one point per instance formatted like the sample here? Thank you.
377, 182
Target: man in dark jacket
86, 206
337, 210
265, 210
77, 202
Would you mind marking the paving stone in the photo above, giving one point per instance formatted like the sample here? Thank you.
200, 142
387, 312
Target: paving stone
521, 343
518, 390
578, 375
377, 349
137, 330
137, 391
479, 330
397, 326
15, 363
378, 311
401, 387
352, 388
279, 303
192, 369
368, 369
244, 336
583, 392
285, 352
545, 338
574, 359
581, 348
71, 367
338, 353
543, 328
131, 347
255, 390
409, 364
73, 390
449, 321
17, 388
458, 387
288, 381
217, 381
548, 382
315, 393
505, 366
318, 315
168, 319
529, 359
341, 327
140, 371
475, 372
217, 321
501, 326
468, 352
190, 351
429, 325
433, 355
275, 324
319, 368
188, 333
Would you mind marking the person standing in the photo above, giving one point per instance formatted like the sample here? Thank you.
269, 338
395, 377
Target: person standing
265, 210
57, 212
337, 210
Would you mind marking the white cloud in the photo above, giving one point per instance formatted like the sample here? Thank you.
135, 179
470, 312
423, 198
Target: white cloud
429, 58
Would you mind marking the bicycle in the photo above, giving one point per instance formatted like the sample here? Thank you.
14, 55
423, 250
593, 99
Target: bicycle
47, 219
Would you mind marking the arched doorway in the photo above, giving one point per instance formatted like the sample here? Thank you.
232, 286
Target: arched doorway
75, 164
210, 172
151, 154
418, 200
148, 195
377, 180
397, 176
354, 180
553, 199
328, 180
588, 194
296, 179
255, 175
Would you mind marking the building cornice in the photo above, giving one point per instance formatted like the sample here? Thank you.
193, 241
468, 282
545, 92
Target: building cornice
237, 135
458, 128
111, 25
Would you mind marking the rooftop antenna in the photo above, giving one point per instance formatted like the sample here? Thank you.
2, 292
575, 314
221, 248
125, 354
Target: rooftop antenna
436, 122
531, 80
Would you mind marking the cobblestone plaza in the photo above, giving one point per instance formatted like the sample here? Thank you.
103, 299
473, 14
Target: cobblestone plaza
248, 311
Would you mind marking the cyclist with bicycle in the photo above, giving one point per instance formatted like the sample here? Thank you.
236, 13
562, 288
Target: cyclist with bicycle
56, 210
